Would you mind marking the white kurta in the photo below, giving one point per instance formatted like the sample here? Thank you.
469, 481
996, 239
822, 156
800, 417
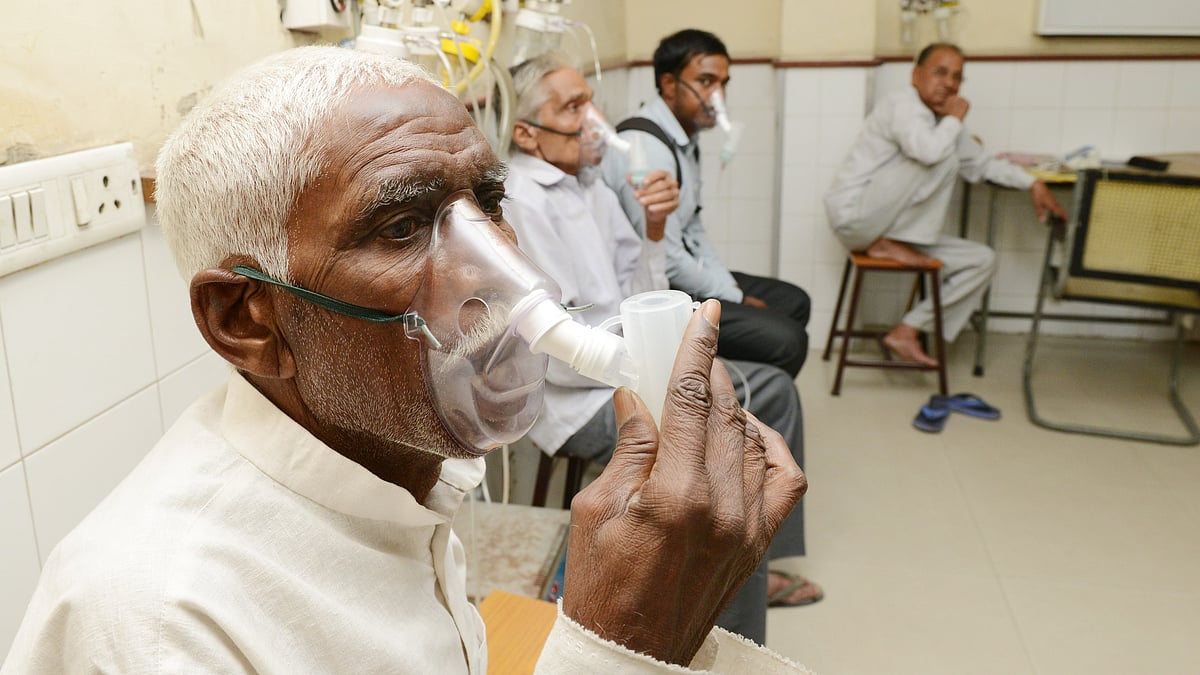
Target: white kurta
901, 126
242, 544
897, 182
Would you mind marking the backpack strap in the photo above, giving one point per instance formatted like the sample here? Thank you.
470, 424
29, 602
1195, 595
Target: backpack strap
650, 127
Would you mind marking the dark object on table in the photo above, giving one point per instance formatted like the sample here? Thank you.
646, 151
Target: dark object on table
1148, 163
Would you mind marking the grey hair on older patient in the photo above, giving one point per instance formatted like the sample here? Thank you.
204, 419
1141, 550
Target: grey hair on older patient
230, 175
528, 82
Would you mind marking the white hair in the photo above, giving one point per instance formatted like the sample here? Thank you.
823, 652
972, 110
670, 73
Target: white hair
229, 176
530, 85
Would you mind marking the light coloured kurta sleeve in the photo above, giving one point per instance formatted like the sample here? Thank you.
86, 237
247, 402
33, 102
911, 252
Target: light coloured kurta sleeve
975, 164
571, 648
922, 136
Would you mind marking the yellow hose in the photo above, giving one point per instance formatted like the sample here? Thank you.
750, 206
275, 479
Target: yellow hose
492, 7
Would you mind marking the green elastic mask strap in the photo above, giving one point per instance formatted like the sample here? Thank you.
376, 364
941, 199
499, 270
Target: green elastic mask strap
411, 320
569, 134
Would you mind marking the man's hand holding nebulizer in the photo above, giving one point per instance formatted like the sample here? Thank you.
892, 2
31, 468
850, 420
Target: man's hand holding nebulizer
656, 191
659, 196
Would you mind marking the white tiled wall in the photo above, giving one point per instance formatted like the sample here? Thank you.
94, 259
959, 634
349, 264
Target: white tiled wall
99, 355
822, 111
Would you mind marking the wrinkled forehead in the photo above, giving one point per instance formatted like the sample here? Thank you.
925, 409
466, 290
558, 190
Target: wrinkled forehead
418, 133
567, 84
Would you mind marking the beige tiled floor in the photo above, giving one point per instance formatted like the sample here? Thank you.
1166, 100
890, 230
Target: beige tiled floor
998, 546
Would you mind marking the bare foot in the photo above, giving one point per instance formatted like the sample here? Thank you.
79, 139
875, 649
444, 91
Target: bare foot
903, 342
904, 254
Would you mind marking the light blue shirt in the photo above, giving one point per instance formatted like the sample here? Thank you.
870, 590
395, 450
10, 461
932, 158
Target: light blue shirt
693, 265
580, 237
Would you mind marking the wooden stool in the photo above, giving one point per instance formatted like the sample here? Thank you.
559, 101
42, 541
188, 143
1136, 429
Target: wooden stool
576, 467
862, 264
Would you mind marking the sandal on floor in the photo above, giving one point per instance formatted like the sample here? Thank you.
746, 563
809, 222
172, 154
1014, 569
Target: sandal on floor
968, 404
780, 598
932, 416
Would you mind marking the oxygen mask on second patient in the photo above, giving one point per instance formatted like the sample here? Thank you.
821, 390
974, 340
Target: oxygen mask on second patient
598, 136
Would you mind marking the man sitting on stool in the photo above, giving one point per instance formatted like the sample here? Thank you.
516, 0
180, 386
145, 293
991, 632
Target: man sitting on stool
890, 197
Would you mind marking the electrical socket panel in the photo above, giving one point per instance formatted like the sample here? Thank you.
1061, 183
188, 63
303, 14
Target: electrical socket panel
51, 207
316, 15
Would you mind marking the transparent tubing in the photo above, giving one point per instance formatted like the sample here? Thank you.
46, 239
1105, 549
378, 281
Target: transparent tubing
593, 352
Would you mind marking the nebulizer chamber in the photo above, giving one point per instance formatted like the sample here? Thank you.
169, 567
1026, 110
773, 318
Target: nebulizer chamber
642, 360
733, 130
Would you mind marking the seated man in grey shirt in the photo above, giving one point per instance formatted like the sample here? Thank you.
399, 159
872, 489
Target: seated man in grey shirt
763, 319
890, 196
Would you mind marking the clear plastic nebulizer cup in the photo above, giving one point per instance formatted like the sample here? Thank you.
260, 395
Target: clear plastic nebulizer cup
653, 323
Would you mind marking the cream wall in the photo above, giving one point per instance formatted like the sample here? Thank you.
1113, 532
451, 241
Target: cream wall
119, 71
129, 71
811, 30
1008, 27
749, 28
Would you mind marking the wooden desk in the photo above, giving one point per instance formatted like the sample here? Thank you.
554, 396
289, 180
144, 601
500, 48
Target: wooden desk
980, 318
1183, 164
517, 628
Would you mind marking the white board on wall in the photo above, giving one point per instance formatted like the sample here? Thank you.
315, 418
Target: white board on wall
1119, 17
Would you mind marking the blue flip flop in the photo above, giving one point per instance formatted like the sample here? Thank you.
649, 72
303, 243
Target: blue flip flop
968, 404
932, 416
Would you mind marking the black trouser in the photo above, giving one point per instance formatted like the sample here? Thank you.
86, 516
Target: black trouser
777, 335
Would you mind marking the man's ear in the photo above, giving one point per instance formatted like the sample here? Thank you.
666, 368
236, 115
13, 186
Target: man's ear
237, 317
526, 139
668, 86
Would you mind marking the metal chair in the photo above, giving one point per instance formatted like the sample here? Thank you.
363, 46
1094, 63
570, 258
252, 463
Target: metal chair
1135, 241
861, 264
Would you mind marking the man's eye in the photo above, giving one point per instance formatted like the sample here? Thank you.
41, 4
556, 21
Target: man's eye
401, 229
491, 205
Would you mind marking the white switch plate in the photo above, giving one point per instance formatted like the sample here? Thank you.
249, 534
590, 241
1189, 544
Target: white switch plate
316, 15
70, 201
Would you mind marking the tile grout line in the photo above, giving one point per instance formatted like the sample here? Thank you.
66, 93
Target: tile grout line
1012, 617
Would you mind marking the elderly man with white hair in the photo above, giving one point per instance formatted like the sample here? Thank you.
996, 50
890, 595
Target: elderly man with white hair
336, 215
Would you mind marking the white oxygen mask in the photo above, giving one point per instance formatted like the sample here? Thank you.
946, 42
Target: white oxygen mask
653, 322
598, 133
733, 130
